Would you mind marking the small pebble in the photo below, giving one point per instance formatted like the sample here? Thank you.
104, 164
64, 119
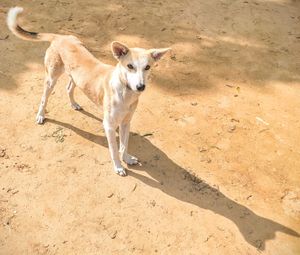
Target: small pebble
231, 128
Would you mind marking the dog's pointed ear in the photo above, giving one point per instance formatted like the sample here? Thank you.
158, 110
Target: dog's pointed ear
119, 49
156, 54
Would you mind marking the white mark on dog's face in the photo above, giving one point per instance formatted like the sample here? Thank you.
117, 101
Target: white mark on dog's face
135, 64
136, 71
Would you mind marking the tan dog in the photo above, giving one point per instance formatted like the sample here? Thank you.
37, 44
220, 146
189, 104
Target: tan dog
117, 88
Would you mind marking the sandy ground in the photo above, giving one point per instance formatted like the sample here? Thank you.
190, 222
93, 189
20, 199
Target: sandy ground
217, 132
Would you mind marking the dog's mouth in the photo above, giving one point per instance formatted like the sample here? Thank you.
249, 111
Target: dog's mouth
130, 89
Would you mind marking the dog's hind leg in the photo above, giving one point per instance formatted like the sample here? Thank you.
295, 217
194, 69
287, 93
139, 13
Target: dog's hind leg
70, 89
48, 87
54, 68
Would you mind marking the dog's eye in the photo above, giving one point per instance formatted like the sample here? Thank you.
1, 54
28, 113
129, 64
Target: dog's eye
147, 67
130, 66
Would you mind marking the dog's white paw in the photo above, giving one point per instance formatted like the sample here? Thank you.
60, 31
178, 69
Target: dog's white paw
40, 119
120, 171
130, 160
76, 106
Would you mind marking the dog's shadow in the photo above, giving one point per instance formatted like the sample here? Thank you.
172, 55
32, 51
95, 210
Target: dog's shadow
177, 182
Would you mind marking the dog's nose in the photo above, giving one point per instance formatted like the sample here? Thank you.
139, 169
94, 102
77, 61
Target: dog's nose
140, 87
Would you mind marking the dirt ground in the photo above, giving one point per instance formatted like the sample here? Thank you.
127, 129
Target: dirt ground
217, 132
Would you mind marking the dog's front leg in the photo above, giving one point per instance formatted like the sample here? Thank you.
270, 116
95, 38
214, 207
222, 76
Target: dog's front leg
110, 132
124, 136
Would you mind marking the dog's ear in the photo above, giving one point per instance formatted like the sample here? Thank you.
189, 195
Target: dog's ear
119, 49
156, 54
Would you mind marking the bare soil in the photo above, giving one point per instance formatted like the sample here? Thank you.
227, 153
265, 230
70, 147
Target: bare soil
217, 132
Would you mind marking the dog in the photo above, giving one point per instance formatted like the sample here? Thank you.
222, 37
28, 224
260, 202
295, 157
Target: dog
116, 88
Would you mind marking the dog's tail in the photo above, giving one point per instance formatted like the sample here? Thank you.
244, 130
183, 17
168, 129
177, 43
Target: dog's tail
12, 23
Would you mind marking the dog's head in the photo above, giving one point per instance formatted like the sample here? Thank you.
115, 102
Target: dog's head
135, 63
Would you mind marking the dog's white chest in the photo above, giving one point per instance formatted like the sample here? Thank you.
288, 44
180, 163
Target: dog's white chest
124, 105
